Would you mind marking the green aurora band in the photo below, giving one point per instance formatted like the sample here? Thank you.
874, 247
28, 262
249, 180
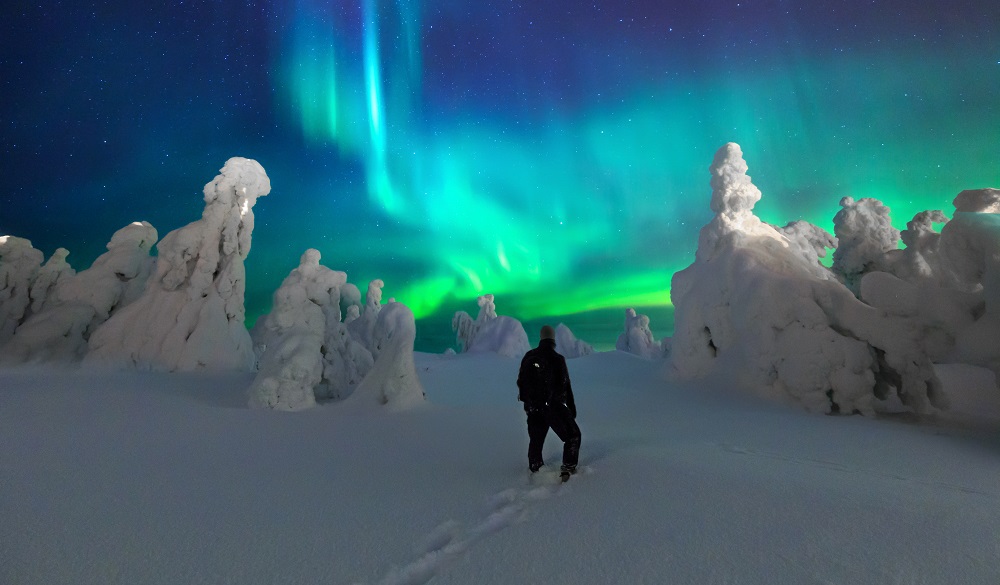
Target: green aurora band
581, 209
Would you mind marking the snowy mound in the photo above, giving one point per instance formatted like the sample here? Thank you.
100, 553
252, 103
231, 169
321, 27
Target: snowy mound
191, 315
753, 302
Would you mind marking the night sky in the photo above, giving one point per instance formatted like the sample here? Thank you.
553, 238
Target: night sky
552, 153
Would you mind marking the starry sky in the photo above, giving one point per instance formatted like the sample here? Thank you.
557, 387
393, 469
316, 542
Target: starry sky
554, 154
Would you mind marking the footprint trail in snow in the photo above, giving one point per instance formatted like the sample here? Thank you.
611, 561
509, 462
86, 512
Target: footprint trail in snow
449, 542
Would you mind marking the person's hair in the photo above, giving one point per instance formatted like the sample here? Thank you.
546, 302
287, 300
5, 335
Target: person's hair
547, 332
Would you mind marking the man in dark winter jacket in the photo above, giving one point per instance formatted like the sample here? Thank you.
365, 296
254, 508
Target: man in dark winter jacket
544, 388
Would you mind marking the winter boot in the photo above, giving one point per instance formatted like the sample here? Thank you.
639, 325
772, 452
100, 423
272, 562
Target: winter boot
565, 471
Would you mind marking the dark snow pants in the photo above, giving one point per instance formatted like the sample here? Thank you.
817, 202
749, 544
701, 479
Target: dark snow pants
559, 419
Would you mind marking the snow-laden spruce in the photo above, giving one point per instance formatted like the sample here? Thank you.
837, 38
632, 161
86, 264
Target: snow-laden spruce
637, 338
393, 380
19, 266
308, 353
864, 236
55, 271
489, 332
947, 284
753, 303
305, 351
191, 315
70, 307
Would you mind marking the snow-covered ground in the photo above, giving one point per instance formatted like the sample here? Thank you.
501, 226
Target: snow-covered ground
142, 478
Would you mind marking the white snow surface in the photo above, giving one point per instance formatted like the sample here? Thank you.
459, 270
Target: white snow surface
163, 478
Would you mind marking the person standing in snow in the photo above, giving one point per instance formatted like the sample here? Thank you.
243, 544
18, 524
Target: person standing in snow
544, 388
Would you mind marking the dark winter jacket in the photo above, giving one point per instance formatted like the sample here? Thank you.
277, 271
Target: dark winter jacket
544, 379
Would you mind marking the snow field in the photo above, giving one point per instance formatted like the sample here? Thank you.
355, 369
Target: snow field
169, 478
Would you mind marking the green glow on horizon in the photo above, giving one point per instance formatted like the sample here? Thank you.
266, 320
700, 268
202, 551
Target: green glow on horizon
584, 211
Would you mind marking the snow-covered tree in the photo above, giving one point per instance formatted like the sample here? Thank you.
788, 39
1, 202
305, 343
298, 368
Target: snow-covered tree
290, 339
945, 283
489, 332
362, 327
19, 265
753, 304
568, 345
978, 201
811, 243
393, 379
920, 260
55, 270
307, 353
971, 244
191, 314
78, 304
865, 236
637, 338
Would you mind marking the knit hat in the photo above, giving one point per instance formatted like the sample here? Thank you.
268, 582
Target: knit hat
547, 332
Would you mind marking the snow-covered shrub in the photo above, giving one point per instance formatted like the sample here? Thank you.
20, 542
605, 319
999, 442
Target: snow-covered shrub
754, 304
19, 265
78, 304
637, 338
568, 345
191, 314
490, 333
393, 379
864, 235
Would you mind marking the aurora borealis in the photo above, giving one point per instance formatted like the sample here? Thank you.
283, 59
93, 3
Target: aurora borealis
553, 154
